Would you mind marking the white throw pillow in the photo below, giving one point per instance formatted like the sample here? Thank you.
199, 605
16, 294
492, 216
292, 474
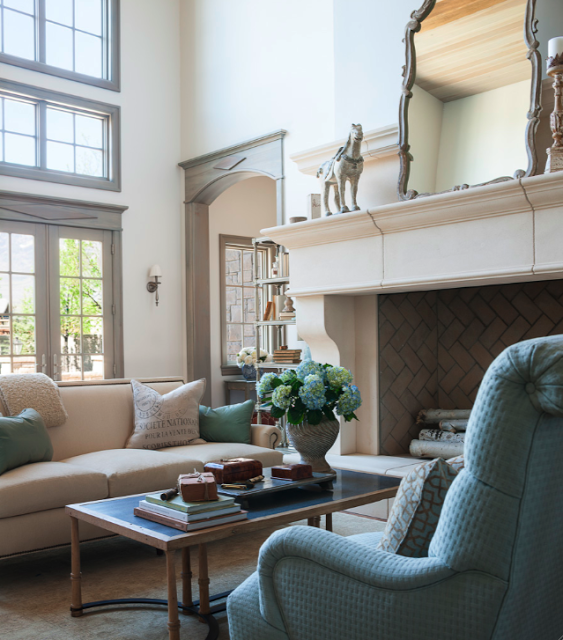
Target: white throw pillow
170, 420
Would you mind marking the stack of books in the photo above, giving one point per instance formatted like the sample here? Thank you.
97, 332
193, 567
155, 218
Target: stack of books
287, 356
189, 516
287, 315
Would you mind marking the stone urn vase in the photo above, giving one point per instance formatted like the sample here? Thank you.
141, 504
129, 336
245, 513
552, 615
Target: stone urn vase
312, 442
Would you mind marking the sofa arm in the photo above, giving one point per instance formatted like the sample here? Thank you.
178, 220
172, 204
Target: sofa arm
265, 435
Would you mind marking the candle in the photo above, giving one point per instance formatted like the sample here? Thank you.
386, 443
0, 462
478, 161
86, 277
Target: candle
555, 47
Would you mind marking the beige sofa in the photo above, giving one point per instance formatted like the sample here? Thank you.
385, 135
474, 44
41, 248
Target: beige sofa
91, 463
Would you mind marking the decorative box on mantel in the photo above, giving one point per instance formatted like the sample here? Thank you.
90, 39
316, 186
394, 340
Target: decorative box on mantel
497, 234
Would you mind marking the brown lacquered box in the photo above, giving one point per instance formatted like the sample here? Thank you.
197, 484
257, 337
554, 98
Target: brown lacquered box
197, 487
234, 470
292, 471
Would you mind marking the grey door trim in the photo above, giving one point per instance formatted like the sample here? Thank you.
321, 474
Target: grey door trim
206, 177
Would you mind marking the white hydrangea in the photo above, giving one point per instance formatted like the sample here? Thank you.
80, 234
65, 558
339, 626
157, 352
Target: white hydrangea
247, 356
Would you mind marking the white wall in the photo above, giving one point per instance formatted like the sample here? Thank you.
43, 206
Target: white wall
251, 67
151, 181
242, 210
484, 136
368, 57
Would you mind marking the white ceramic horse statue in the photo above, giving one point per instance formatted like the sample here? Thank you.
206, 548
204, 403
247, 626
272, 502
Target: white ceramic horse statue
346, 165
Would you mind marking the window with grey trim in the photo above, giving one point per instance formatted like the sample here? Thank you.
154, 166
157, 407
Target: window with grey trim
49, 136
75, 39
60, 310
238, 301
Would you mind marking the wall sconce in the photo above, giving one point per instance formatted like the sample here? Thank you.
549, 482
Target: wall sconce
152, 285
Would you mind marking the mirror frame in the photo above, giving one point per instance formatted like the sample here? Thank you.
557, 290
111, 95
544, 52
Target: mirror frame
409, 77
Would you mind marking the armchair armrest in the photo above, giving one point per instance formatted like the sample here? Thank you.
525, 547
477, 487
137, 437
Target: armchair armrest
265, 435
365, 566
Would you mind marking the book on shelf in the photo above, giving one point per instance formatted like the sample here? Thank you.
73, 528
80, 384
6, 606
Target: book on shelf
287, 315
269, 313
188, 517
178, 504
189, 526
287, 360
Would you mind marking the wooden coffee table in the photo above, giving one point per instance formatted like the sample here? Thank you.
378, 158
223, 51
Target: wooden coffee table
351, 489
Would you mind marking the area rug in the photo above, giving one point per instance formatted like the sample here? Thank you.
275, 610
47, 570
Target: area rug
35, 588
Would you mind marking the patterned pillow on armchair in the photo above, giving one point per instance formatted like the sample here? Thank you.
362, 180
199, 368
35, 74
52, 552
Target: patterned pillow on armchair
457, 463
417, 509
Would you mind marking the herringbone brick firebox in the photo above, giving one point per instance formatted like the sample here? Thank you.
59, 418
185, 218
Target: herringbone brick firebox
435, 346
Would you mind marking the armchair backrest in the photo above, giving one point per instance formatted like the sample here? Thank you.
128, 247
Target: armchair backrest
503, 515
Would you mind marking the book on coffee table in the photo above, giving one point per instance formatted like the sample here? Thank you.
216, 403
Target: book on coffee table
189, 526
188, 517
178, 504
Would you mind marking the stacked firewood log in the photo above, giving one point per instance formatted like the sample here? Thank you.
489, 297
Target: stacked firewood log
442, 434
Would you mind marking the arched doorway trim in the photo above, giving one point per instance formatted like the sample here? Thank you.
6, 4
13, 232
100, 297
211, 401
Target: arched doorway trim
206, 178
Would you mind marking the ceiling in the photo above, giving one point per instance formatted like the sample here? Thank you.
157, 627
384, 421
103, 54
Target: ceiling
470, 46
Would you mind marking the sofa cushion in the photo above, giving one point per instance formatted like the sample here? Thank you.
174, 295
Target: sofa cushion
227, 424
23, 440
416, 509
213, 451
48, 485
165, 420
132, 471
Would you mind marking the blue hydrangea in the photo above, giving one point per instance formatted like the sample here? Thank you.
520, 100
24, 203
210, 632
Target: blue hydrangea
338, 377
313, 392
282, 397
288, 375
349, 401
310, 367
265, 385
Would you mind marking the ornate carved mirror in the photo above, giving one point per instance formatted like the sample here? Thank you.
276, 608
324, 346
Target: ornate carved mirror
471, 95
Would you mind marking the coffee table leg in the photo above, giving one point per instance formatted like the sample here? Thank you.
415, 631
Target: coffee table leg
186, 578
173, 622
328, 521
75, 575
315, 521
203, 580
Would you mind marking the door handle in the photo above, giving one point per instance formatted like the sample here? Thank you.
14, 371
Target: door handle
55, 366
43, 363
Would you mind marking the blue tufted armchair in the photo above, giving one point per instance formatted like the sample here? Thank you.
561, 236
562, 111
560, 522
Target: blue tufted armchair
495, 565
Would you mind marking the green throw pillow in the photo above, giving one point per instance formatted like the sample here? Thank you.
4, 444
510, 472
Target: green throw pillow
23, 439
226, 424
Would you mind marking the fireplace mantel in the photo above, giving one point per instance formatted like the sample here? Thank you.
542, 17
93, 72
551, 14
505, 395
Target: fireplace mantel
505, 232
501, 233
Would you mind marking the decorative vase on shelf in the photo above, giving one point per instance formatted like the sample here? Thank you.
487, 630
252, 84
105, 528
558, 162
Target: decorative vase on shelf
248, 371
313, 442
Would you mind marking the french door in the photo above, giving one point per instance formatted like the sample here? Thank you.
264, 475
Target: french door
56, 301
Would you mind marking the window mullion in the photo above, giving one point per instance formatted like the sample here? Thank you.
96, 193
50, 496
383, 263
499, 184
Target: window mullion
41, 31
42, 135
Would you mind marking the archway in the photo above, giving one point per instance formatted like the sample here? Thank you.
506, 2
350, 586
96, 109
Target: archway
207, 177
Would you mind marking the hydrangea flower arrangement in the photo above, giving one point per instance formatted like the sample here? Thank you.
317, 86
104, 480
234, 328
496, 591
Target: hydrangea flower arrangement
310, 393
248, 356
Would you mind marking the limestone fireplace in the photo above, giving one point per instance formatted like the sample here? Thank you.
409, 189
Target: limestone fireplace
417, 297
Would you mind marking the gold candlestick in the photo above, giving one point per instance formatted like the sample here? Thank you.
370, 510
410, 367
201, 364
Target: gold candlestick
555, 153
